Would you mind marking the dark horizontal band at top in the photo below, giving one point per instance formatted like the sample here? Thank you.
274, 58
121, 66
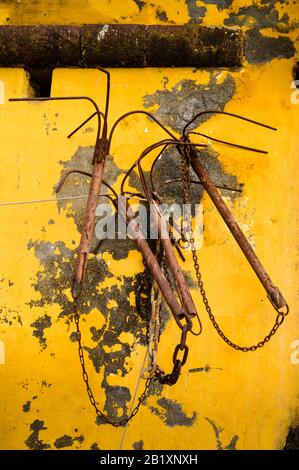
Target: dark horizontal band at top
120, 45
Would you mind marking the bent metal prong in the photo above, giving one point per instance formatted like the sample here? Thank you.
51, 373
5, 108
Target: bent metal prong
180, 303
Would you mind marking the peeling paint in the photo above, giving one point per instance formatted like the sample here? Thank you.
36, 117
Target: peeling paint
67, 441
94, 446
292, 441
161, 15
33, 442
260, 49
117, 398
172, 414
138, 445
39, 325
78, 185
195, 12
140, 4
26, 406
221, 4
233, 443
168, 167
54, 277
177, 106
261, 16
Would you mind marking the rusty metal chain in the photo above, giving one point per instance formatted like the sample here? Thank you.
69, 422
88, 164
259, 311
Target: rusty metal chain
280, 315
100, 414
278, 322
153, 332
172, 377
181, 347
142, 293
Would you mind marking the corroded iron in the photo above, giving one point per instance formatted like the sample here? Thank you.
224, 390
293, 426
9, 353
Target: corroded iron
120, 45
176, 293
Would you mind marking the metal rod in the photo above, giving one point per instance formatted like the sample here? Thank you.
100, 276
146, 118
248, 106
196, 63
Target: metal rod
160, 224
225, 113
82, 124
273, 292
152, 263
242, 147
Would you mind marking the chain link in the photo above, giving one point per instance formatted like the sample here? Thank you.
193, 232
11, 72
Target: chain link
100, 414
181, 348
153, 332
172, 377
278, 322
280, 315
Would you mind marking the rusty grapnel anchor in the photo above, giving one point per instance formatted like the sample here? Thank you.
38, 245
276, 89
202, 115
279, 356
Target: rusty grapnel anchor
101, 150
168, 280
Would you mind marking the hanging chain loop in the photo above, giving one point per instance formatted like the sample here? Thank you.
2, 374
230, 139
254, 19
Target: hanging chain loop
99, 413
280, 315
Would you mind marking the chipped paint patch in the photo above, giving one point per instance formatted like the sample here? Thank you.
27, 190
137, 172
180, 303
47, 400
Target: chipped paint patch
140, 4
259, 49
292, 441
195, 12
177, 106
117, 398
39, 325
94, 446
172, 414
161, 15
206, 368
221, 4
138, 445
26, 406
261, 16
168, 168
53, 279
33, 442
67, 441
78, 185
232, 444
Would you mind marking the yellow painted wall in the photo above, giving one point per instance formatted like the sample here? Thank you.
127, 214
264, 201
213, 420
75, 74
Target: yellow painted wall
252, 396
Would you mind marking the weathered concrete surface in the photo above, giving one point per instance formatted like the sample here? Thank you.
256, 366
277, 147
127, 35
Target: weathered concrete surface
120, 45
